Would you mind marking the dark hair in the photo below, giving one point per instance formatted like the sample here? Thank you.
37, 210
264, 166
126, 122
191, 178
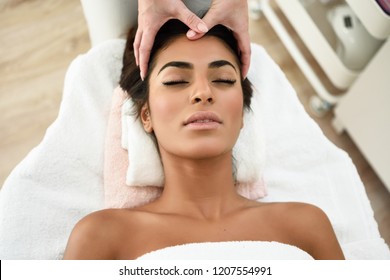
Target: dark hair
138, 90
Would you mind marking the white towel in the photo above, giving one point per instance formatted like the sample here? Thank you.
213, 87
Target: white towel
230, 250
142, 152
61, 180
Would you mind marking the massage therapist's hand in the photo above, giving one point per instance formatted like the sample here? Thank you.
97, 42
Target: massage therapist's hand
152, 14
234, 15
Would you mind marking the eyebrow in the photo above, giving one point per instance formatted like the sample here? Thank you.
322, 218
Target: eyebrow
187, 65
177, 64
221, 63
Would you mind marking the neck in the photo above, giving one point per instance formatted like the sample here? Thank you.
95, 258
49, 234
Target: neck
202, 188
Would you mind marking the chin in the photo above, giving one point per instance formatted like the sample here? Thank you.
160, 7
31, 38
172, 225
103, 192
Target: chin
197, 149
207, 151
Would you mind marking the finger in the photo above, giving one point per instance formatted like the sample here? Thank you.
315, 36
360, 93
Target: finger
212, 17
244, 46
245, 63
136, 44
193, 35
243, 42
190, 19
144, 51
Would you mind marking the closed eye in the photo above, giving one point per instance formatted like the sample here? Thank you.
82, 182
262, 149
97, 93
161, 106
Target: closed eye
173, 83
225, 81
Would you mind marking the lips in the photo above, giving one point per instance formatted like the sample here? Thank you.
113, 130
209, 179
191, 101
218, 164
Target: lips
203, 117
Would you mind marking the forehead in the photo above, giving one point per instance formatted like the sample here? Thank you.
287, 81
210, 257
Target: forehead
198, 52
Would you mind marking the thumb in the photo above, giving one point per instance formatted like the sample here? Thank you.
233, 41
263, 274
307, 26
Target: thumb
193, 22
209, 21
211, 18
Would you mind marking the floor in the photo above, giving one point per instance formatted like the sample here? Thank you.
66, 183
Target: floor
39, 39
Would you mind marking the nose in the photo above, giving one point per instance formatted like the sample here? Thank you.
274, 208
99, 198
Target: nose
202, 94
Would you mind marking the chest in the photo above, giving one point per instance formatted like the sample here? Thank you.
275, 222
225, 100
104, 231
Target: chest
171, 232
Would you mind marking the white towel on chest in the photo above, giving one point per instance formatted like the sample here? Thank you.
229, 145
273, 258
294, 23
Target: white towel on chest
230, 250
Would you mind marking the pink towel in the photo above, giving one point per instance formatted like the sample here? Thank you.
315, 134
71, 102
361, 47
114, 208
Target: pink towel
116, 193
116, 163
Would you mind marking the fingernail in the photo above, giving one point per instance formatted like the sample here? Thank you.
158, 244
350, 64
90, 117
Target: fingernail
142, 76
202, 27
191, 33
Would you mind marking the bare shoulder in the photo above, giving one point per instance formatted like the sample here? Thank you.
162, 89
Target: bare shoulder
308, 227
305, 213
294, 212
95, 236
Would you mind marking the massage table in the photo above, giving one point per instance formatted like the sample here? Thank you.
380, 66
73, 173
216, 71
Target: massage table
62, 179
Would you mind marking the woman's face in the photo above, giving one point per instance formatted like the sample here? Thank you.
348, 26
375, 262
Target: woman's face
195, 99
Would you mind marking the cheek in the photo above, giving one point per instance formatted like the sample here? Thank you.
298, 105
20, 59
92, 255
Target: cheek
234, 105
160, 108
164, 109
